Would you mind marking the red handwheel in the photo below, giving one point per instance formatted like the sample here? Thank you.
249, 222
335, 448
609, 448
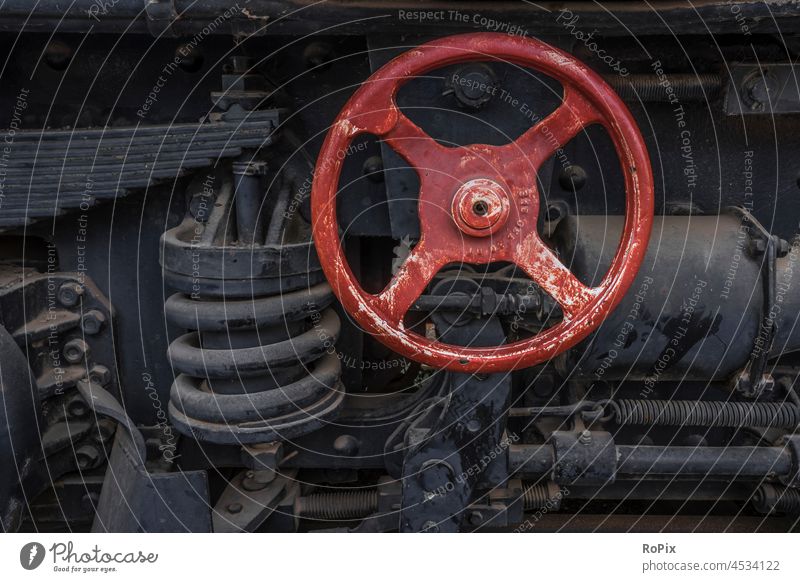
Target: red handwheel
479, 204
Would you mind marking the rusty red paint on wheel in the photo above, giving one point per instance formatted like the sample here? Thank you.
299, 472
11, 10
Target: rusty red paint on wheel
479, 203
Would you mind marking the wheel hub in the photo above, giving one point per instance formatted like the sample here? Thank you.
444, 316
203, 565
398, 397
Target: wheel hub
480, 207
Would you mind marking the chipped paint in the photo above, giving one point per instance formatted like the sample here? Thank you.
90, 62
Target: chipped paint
588, 99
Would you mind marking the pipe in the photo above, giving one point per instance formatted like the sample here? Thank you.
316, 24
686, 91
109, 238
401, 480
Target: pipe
634, 461
537, 461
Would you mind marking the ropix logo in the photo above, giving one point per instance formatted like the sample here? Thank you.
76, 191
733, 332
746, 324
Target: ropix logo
31, 555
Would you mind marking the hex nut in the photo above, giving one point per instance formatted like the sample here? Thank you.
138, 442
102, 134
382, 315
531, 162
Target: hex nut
75, 350
87, 456
77, 407
99, 374
70, 293
93, 321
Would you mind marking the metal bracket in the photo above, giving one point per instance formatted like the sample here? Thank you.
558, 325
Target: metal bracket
250, 499
753, 380
104, 404
462, 451
765, 89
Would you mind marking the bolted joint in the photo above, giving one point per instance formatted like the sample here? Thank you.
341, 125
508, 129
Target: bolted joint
435, 474
70, 293
257, 480
75, 350
77, 407
582, 459
473, 85
263, 456
87, 457
99, 374
93, 321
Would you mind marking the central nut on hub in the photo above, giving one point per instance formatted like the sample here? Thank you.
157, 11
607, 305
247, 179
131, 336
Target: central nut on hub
480, 207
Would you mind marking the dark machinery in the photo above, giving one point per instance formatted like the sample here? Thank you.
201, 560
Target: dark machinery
378, 267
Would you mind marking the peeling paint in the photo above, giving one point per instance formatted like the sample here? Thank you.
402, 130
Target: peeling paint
588, 99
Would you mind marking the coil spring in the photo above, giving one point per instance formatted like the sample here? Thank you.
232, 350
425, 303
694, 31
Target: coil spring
777, 499
339, 505
540, 496
254, 370
648, 87
705, 413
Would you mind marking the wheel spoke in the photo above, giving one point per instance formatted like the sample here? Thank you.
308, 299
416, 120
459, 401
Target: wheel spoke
409, 140
555, 279
410, 281
552, 133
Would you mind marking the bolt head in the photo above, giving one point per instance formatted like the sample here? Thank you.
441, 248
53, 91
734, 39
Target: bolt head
87, 457
373, 169
69, 294
234, 508
435, 474
75, 350
346, 445
257, 479
475, 518
473, 425
99, 374
77, 407
93, 321
263, 456
58, 55
572, 178
473, 85
255, 482
317, 53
